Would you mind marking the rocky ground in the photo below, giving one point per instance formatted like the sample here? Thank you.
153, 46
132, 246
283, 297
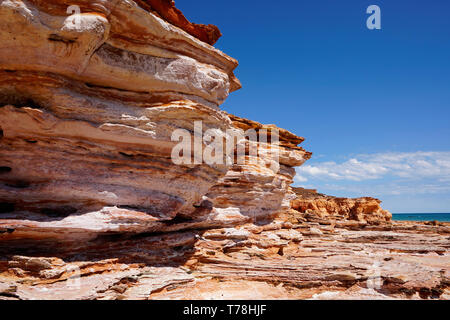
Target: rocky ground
278, 260
92, 205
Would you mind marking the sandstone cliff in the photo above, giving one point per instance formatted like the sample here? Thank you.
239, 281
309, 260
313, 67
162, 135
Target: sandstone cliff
88, 109
92, 205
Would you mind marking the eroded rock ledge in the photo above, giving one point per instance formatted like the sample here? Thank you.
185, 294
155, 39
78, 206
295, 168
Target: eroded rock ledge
93, 207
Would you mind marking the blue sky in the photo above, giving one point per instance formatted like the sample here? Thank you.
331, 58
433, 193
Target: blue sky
373, 105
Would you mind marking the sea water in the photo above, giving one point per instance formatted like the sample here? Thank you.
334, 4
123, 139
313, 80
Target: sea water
442, 217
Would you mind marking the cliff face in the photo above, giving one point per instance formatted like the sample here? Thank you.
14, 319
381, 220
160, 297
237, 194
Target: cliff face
88, 109
92, 205
88, 112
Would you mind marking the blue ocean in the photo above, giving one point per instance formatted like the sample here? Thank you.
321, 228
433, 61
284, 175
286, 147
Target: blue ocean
442, 217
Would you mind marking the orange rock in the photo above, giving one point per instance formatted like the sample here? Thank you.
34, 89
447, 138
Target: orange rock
166, 9
319, 206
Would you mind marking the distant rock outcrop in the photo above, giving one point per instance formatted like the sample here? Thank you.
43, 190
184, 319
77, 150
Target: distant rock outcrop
318, 206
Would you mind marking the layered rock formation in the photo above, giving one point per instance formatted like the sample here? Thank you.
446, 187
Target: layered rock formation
92, 205
258, 184
88, 109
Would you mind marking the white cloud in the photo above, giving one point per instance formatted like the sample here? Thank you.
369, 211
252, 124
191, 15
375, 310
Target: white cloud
410, 166
391, 188
406, 182
300, 179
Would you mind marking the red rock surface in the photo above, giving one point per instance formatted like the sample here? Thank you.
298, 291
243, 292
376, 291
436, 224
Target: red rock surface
166, 9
